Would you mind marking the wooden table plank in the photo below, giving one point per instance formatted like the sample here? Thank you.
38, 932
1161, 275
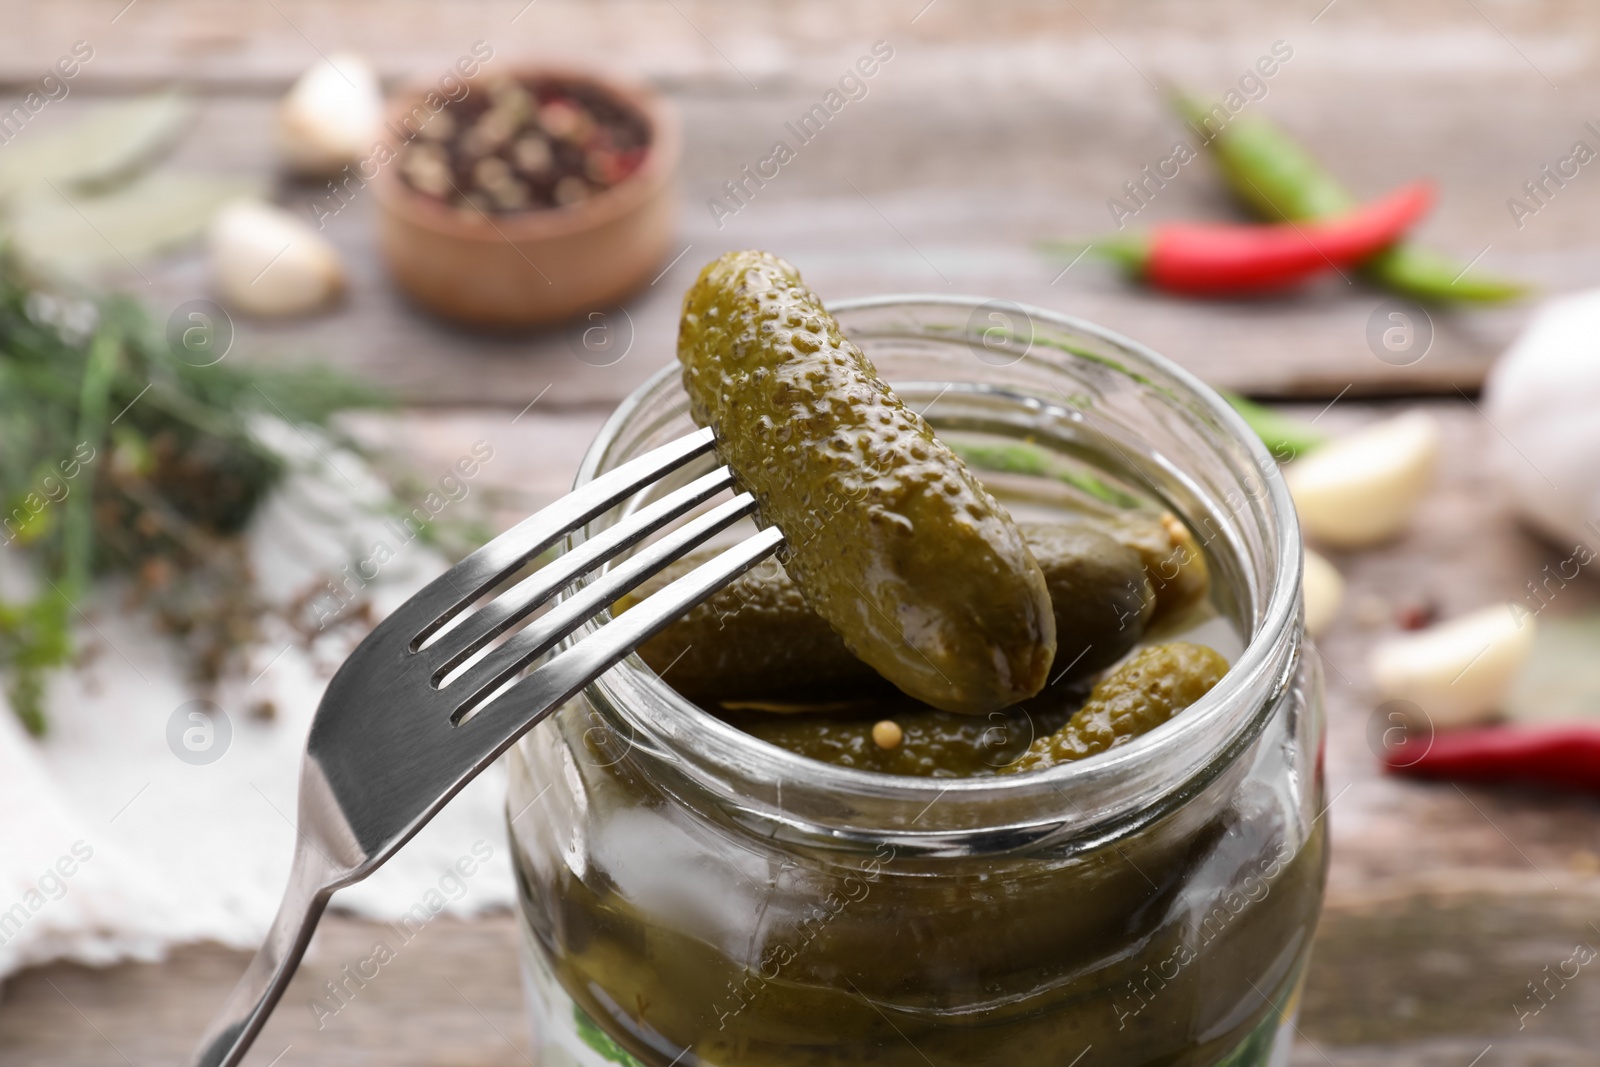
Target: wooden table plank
988, 131
451, 997
265, 43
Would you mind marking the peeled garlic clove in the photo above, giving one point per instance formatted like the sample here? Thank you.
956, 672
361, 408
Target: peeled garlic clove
1324, 592
1362, 489
266, 261
1457, 672
330, 117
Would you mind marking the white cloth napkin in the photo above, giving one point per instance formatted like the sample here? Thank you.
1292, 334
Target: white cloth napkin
118, 843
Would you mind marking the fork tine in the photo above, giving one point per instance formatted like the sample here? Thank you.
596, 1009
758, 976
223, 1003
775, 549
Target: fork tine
556, 681
443, 598
495, 669
478, 629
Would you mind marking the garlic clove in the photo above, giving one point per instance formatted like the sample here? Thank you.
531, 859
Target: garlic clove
330, 118
266, 261
1324, 593
1362, 489
1457, 672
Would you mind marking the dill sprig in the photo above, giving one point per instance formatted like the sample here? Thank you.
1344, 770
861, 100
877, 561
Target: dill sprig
120, 452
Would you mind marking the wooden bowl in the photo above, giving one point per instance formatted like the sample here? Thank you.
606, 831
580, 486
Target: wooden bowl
538, 266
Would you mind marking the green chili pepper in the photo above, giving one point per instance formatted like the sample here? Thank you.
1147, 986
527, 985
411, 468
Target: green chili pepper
1424, 274
1286, 437
1278, 179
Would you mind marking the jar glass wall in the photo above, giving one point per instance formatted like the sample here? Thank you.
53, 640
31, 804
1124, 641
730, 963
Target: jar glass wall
690, 895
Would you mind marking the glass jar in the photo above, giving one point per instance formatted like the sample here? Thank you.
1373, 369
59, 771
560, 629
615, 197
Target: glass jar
690, 895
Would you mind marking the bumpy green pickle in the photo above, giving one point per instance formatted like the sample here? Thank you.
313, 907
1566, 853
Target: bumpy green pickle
754, 639
1172, 559
889, 536
758, 639
1145, 692
1099, 591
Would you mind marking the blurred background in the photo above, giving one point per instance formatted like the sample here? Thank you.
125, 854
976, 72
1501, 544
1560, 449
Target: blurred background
214, 165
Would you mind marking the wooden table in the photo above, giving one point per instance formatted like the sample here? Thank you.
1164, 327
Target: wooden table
993, 126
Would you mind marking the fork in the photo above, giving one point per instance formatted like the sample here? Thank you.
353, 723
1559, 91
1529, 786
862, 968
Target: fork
418, 709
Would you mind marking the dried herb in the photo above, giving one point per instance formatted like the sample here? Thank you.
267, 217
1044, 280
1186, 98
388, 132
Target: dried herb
118, 456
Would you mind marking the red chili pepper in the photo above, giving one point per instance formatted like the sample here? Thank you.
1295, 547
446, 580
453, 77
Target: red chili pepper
1201, 259
1565, 756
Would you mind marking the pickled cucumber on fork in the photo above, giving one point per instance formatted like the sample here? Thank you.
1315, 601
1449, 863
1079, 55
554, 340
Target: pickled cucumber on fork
888, 535
757, 639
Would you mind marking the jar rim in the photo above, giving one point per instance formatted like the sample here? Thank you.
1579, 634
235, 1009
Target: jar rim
1265, 666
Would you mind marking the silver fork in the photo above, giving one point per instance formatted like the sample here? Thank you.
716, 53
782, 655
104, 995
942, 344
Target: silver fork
406, 723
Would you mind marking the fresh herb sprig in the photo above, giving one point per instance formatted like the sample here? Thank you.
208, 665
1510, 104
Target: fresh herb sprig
121, 452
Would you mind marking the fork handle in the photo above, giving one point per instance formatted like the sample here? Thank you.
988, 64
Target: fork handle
240, 1019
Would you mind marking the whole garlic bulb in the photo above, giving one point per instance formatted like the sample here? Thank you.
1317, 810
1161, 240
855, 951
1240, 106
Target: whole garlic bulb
330, 117
1543, 396
266, 261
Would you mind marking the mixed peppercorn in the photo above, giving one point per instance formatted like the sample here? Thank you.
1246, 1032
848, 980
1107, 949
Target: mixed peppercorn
526, 146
